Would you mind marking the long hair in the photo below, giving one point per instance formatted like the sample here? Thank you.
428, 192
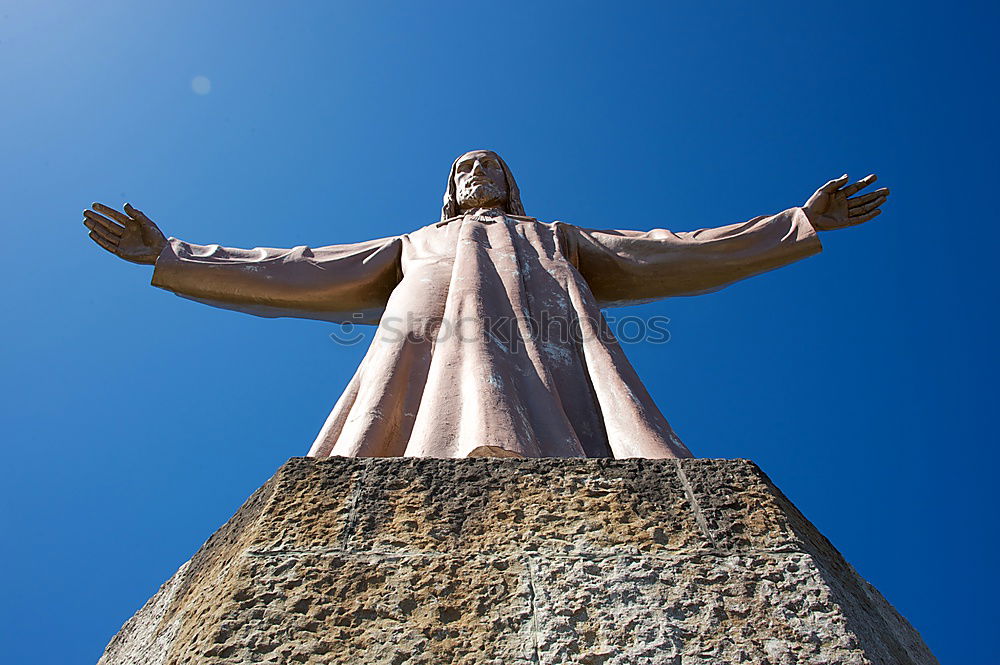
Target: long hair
450, 207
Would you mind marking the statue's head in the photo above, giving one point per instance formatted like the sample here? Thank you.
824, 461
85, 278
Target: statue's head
480, 179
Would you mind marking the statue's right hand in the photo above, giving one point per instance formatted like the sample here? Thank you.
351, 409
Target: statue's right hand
134, 237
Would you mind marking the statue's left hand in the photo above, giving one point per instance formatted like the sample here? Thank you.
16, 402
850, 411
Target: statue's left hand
832, 206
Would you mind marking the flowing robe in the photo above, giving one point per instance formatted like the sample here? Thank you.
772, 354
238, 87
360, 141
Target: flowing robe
490, 337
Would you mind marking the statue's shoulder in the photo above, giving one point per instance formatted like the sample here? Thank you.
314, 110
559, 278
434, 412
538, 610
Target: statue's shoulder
522, 219
444, 222
555, 224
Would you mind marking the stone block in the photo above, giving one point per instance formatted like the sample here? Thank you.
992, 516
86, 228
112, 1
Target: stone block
543, 561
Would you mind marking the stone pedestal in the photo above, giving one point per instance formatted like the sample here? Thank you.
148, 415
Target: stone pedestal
546, 561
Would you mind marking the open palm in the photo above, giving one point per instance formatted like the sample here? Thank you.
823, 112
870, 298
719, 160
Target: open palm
832, 206
130, 235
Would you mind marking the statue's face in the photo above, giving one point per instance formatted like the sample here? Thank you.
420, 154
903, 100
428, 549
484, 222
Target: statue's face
480, 181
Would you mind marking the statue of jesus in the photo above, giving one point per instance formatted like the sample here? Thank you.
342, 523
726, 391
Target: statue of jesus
490, 338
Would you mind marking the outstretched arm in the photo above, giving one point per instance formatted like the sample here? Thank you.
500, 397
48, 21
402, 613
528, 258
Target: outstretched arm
629, 267
334, 283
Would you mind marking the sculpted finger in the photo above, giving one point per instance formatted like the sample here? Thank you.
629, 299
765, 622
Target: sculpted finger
103, 243
865, 198
860, 210
865, 207
860, 184
137, 215
112, 213
103, 222
834, 185
864, 218
99, 231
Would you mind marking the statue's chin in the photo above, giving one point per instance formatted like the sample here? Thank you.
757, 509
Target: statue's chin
482, 200
482, 196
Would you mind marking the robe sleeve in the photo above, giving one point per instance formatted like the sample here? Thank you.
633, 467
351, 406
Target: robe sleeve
339, 283
631, 267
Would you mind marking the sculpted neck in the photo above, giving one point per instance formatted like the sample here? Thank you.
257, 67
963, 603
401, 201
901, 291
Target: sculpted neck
491, 211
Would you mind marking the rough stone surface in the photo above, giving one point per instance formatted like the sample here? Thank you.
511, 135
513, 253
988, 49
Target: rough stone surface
544, 561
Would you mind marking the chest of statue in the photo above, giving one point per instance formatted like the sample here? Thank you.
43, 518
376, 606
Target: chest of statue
522, 242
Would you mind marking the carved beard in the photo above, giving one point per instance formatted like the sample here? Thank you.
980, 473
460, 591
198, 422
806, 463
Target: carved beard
481, 195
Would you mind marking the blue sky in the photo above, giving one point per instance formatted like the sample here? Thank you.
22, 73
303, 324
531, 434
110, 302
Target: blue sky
861, 380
